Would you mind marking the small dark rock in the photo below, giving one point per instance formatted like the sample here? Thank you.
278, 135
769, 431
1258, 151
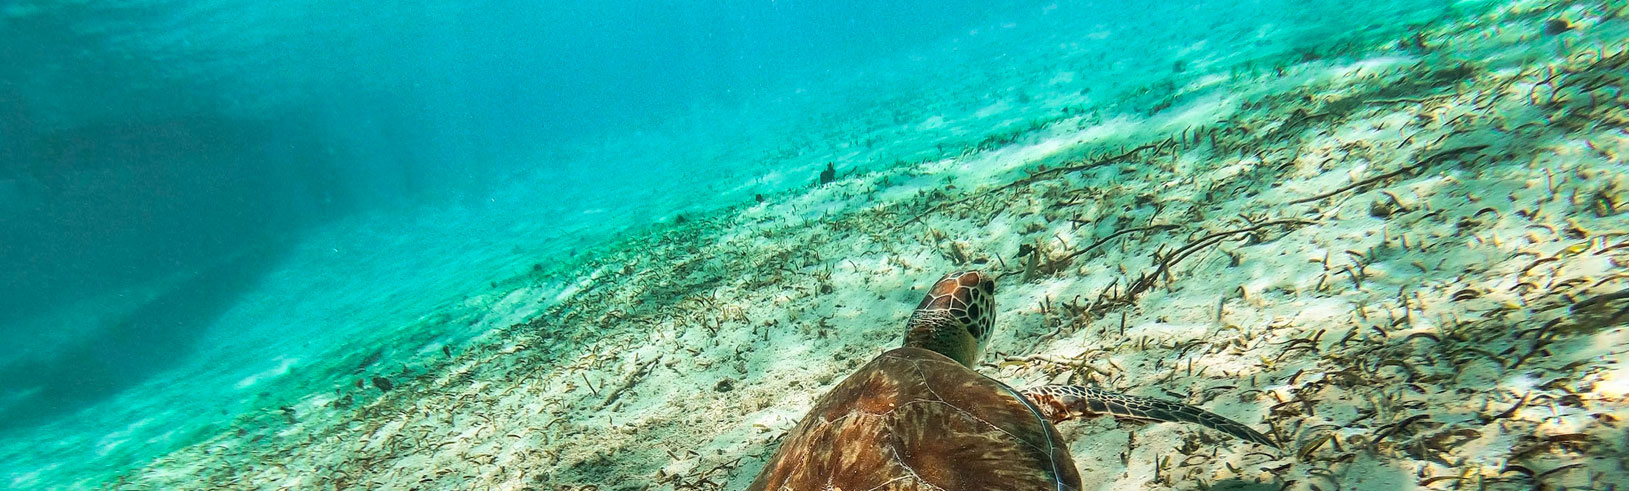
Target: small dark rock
758, 197
725, 385
383, 384
829, 175
1556, 26
1382, 208
372, 358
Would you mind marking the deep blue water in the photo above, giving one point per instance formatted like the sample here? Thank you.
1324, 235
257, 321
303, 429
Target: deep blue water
158, 159
153, 138
122, 123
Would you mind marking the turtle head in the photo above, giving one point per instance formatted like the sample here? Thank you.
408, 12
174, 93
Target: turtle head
956, 317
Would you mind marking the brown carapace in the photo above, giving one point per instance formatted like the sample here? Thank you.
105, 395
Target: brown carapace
919, 417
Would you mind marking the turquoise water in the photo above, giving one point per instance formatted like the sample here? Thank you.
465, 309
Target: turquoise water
219, 219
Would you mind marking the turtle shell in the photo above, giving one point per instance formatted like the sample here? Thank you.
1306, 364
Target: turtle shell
915, 419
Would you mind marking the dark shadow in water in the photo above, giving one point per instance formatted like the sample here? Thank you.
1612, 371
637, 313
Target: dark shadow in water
115, 204
151, 339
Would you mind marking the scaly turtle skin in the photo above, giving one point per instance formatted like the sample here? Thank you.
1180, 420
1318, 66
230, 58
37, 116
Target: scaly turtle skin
918, 417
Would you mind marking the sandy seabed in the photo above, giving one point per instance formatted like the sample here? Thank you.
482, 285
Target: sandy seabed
1404, 263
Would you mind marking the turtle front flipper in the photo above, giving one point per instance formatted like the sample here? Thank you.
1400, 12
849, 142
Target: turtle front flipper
1065, 402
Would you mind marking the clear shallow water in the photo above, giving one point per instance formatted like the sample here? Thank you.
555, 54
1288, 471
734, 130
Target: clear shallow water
213, 210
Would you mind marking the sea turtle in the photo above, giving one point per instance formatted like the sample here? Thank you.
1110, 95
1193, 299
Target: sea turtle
919, 417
